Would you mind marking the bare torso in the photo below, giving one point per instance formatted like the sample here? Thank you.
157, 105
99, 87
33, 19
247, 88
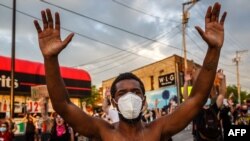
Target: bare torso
148, 132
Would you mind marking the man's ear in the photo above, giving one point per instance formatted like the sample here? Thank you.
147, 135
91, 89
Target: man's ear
144, 99
144, 104
114, 103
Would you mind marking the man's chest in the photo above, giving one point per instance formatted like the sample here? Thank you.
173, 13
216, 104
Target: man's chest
140, 136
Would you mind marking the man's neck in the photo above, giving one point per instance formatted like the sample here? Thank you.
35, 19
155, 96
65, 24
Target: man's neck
130, 126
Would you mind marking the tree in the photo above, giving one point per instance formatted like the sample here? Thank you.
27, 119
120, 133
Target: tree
232, 89
94, 97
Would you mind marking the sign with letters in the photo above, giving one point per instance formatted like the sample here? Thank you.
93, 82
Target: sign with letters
29, 74
166, 80
237, 132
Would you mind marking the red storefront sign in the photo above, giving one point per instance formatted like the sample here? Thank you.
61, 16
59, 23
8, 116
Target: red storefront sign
28, 73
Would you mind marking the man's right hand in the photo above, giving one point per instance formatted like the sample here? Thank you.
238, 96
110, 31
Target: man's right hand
49, 38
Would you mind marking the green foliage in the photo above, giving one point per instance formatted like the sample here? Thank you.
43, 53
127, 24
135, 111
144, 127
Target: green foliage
232, 90
95, 96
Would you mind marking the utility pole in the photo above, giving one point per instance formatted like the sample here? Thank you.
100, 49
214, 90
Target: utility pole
185, 17
13, 52
237, 60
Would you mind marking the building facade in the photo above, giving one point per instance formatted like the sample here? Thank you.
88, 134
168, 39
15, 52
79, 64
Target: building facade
162, 79
30, 75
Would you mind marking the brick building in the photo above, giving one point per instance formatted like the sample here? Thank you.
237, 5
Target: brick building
159, 76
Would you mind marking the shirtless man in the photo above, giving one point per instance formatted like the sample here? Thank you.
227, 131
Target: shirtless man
130, 127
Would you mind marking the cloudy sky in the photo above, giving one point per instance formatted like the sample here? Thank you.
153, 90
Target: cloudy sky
115, 36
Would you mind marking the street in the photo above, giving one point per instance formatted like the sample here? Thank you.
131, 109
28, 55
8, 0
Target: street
184, 135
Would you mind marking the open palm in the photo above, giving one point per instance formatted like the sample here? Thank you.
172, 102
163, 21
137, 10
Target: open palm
49, 38
214, 29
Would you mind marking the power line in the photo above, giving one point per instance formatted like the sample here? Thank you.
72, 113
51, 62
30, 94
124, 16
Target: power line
87, 36
81, 15
142, 12
119, 28
195, 33
236, 42
93, 38
242, 76
90, 38
204, 50
115, 61
118, 54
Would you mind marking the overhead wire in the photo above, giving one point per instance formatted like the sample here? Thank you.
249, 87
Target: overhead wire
76, 32
81, 35
228, 35
235, 43
197, 45
104, 23
118, 54
142, 12
82, 15
130, 60
85, 35
90, 38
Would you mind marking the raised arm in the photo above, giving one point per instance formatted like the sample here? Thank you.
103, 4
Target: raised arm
51, 45
187, 78
222, 88
214, 37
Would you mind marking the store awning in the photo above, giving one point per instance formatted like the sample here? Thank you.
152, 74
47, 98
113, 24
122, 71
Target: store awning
28, 73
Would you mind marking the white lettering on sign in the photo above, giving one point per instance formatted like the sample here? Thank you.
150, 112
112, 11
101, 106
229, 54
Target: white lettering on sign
161, 80
237, 132
166, 80
6, 82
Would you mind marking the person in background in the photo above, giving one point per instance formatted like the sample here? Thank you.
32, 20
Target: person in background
38, 124
60, 130
12, 126
226, 113
109, 109
157, 110
248, 105
172, 105
106, 117
244, 118
213, 130
96, 114
30, 128
5, 134
148, 116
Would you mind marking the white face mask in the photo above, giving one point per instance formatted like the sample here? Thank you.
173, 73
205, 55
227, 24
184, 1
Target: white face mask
2, 129
130, 105
208, 103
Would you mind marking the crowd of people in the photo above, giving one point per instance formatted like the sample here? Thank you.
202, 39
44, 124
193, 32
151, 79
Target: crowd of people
37, 128
54, 128
218, 113
125, 114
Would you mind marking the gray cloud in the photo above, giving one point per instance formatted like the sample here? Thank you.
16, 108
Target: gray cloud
109, 41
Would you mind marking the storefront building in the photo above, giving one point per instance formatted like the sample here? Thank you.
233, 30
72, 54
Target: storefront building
162, 80
31, 74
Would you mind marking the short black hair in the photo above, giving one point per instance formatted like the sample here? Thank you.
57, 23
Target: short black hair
125, 76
